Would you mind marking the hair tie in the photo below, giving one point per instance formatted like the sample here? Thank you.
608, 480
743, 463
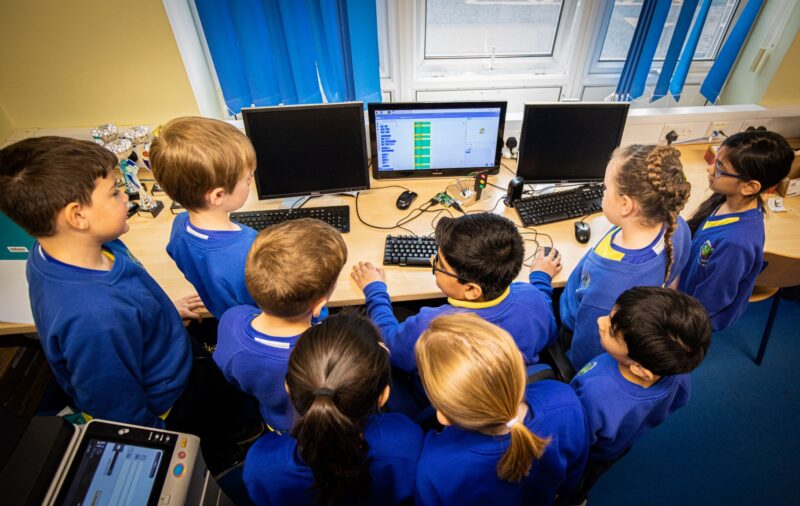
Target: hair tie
323, 391
512, 422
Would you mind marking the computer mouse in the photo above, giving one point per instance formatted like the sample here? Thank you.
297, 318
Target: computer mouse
547, 250
405, 199
582, 232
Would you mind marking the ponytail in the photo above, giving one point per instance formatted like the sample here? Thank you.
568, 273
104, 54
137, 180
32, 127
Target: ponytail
337, 372
473, 373
653, 175
704, 210
525, 446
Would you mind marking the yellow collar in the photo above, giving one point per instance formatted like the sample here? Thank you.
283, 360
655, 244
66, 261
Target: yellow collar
479, 305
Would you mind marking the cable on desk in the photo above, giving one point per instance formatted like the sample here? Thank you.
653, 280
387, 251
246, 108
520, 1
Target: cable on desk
508, 168
399, 224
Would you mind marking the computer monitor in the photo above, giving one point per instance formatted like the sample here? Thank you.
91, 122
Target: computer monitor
308, 149
425, 139
569, 142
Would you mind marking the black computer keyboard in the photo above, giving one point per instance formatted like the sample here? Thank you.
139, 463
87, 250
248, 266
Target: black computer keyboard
336, 216
409, 250
561, 205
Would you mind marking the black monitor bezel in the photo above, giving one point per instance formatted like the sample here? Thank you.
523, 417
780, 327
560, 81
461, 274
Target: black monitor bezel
127, 435
263, 193
445, 172
531, 106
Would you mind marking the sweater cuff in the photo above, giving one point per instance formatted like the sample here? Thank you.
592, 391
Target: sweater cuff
540, 277
375, 288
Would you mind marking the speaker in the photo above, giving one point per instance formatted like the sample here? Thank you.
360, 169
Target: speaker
514, 191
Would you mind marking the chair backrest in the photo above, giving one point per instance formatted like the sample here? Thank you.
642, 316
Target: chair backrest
780, 271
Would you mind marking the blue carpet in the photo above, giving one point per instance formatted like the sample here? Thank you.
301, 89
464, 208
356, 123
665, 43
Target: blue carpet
737, 441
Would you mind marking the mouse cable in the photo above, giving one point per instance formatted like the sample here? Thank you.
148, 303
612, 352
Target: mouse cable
399, 224
508, 168
475, 211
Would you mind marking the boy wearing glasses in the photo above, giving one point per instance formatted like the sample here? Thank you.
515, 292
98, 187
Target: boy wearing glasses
479, 255
291, 271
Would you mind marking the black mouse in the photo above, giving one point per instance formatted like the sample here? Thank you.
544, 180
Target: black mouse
405, 199
582, 232
547, 250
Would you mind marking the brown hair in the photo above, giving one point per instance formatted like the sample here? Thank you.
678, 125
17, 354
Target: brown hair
191, 156
337, 373
474, 374
40, 176
653, 176
293, 264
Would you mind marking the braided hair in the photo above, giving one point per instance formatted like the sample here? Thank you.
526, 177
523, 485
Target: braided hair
653, 176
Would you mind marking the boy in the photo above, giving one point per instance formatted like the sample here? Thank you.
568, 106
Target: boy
207, 165
113, 338
653, 338
479, 255
291, 271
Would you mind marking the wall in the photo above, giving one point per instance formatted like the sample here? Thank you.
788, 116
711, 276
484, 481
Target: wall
785, 86
69, 64
6, 127
746, 87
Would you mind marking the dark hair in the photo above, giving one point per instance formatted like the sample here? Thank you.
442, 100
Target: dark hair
40, 176
483, 248
666, 331
337, 372
758, 155
653, 175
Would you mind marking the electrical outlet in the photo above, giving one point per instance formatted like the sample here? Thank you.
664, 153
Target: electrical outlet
728, 127
685, 131
755, 123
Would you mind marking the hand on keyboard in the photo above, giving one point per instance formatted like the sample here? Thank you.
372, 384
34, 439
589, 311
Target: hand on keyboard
365, 273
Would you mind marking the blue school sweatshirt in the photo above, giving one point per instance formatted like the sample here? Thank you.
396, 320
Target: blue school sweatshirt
256, 363
602, 275
114, 340
274, 473
458, 466
213, 262
620, 412
524, 310
726, 257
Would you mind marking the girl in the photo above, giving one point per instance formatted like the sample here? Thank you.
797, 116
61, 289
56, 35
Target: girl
502, 443
645, 189
340, 451
727, 251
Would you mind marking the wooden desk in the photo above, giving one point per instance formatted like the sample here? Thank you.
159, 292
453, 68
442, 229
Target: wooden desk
148, 238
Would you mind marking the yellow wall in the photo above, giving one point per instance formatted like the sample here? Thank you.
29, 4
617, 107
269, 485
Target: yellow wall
67, 63
6, 127
785, 86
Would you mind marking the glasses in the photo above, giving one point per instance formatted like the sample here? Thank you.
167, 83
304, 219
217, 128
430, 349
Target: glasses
435, 269
718, 166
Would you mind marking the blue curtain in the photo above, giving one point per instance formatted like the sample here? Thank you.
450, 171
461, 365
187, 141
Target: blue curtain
675, 45
679, 77
643, 47
269, 52
722, 66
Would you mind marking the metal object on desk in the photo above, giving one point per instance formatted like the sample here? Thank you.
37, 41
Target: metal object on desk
103, 134
148, 206
140, 139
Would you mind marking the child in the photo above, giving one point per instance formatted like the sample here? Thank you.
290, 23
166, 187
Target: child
503, 442
207, 165
479, 257
653, 338
114, 340
342, 451
727, 251
291, 271
645, 189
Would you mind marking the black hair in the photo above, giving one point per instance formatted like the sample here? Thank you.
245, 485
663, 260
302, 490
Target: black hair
40, 176
758, 155
483, 248
337, 373
666, 331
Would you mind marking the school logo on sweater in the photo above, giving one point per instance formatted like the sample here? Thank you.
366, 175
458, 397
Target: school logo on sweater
586, 278
588, 367
705, 253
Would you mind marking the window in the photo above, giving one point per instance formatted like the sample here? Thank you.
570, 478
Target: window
623, 23
486, 28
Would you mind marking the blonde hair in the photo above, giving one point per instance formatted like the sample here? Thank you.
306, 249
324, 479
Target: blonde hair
474, 375
653, 176
293, 264
191, 156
